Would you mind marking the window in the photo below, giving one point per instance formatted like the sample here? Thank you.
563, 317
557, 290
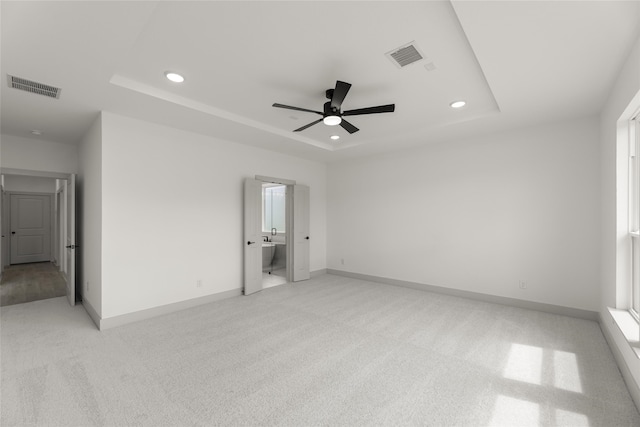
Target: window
634, 212
273, 208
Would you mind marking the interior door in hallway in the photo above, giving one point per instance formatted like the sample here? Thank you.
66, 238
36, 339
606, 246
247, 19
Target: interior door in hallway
30, 228
70, 238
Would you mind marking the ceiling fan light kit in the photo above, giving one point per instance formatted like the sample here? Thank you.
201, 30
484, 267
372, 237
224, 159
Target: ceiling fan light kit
332, 120
332, 114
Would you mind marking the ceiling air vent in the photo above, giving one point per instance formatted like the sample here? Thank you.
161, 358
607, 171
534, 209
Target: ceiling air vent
33, 87
405, 55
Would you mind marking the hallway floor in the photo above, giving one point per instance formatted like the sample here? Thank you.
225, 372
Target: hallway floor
31, 282
277, 277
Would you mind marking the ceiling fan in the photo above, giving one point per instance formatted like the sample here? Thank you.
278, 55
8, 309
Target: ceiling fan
332, 115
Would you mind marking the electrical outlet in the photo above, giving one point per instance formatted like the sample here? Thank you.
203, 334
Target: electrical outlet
522, 284
86, 288
342, 261
199, 283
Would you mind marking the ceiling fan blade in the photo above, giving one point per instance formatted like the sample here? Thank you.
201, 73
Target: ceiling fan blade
390, 108
308, 126
339, 93
289, 107
348, 126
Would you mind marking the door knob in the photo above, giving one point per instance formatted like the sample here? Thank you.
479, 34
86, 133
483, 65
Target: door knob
250, 243
307, 238
13, 232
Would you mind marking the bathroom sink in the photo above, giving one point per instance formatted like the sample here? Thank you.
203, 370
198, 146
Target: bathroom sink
268, 244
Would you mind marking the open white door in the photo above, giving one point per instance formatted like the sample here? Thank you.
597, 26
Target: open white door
70, 239
300, 233
252, 236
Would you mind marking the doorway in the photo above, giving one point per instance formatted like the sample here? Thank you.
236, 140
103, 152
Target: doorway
294, 250
38, 230
274, 237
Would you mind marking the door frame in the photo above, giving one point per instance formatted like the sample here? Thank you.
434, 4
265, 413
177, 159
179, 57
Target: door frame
288, 228
41, 174
4, 226
58, 212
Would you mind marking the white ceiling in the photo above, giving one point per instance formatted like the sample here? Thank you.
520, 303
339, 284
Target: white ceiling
515, 63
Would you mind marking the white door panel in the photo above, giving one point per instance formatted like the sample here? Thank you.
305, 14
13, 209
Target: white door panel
252, 241
301, 236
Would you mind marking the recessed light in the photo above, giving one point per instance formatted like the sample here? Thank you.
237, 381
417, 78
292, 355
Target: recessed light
174, 77
335, 137
458, 104
36, 132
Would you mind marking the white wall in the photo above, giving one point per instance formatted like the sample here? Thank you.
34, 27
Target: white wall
172, 212
89, 217
477, 215
614, 210
38, 155
30, 184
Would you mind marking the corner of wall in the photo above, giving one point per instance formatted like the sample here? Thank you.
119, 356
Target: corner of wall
90, 218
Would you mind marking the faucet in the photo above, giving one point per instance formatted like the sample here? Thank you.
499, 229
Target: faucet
265, 238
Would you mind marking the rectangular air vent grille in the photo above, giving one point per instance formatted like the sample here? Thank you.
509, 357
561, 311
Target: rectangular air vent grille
33, 87
405, 55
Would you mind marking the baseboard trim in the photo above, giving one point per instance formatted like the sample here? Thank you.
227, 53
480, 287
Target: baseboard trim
632, 386
93, 314
513, 302
124, 319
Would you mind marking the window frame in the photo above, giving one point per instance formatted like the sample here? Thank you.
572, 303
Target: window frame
265, 189
634, 214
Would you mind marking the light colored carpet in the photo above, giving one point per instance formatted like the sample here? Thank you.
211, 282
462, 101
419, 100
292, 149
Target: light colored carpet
329, 351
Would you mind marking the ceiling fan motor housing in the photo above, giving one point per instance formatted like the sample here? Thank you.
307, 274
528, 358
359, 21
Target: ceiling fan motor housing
329, 93
328, 111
